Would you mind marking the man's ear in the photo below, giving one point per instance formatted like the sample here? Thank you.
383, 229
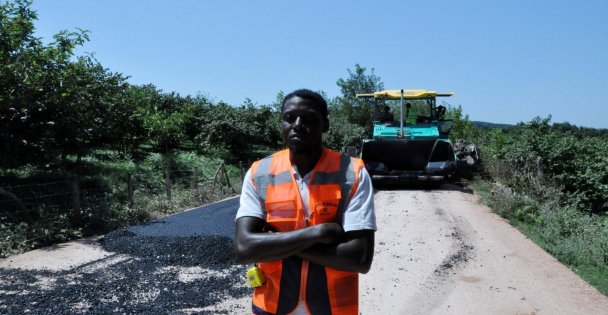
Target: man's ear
325, 125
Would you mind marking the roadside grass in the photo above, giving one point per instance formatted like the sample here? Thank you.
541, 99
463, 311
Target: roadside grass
579, 240
103, 176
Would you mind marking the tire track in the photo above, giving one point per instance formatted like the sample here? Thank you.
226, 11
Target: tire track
437, 286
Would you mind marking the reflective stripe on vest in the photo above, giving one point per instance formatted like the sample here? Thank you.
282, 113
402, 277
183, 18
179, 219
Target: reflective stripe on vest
333, 183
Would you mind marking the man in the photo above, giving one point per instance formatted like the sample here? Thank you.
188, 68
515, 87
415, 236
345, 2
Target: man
307, 217
386, 116
441, 112
411, 114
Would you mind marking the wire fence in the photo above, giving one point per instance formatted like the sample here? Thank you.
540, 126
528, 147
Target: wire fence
97, 197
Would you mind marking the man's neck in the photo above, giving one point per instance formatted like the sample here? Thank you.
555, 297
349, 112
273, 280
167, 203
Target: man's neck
305, 162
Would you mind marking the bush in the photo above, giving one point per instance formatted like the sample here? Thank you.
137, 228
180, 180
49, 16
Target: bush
536, 155
342, 133
514, 207
575, 238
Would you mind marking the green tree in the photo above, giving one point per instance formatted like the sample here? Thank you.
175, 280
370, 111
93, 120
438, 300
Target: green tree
342, 133
165, 117
88, 106
463, 128
237, 133
31, 76
357, 111
50, 104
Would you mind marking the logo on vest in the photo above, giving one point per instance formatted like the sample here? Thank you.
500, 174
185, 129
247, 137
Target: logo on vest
326, 207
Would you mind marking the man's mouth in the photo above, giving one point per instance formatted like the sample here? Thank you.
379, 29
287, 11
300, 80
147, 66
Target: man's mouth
296, 138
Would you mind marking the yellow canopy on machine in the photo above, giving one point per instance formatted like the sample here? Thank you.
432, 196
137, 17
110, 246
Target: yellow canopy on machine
407, 94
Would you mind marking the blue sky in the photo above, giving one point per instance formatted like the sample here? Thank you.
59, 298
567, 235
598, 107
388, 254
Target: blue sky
507, 61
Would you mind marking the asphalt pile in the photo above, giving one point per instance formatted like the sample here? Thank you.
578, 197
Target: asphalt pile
148, 278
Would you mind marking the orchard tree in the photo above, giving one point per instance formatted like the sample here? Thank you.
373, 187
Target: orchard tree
355, 110
234, 133
89, 108
50, 104
31, 83
165, 117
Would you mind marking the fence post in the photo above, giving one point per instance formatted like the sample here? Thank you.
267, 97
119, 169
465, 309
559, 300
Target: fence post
76, 199
194, 181
241, 168
222, 171
168, 182
130, 190
228, 180
215, 177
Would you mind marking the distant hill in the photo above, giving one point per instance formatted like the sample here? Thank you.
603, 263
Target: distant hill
485, 124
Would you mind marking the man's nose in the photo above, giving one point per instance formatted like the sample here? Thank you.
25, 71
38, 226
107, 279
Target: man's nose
298, 123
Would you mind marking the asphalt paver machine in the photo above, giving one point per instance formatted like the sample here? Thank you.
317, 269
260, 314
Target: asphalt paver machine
410, 141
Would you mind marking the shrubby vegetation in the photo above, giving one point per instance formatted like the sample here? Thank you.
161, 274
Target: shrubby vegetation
536, 155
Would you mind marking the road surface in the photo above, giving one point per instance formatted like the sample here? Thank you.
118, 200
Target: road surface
437, 252
441, 252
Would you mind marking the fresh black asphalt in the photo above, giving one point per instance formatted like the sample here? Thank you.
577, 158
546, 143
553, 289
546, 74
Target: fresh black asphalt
214, 219
149, 280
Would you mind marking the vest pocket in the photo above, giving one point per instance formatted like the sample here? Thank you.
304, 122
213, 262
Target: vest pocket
266, 296
282, 215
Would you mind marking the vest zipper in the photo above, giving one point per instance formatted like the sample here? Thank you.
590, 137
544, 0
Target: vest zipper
303, 278
305, 263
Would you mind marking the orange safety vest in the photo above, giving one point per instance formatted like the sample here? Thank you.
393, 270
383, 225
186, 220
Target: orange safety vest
324, 290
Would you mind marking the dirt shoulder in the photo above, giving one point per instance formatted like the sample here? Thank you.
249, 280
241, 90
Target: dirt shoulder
441, 252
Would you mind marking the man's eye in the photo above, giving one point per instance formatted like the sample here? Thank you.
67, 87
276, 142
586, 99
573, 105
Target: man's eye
305, 118
311, 118
290, 118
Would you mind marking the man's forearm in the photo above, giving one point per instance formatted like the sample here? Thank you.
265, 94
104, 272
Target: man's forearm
259, 247
353, 255
253, 244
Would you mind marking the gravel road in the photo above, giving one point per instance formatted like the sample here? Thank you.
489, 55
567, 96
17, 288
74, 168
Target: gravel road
437, 252
441, 252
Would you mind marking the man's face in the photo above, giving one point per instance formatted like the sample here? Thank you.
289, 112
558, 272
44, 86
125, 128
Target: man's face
302, 125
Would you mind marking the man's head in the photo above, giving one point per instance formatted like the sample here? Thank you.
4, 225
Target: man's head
304, 120
441, 110
316, 100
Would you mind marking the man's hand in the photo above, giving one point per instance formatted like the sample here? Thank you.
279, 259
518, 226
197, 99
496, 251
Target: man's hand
353, 252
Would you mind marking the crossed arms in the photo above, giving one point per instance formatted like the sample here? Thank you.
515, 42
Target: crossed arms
325, 244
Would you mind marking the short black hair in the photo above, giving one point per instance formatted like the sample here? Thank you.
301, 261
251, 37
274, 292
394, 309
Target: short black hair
318, 102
